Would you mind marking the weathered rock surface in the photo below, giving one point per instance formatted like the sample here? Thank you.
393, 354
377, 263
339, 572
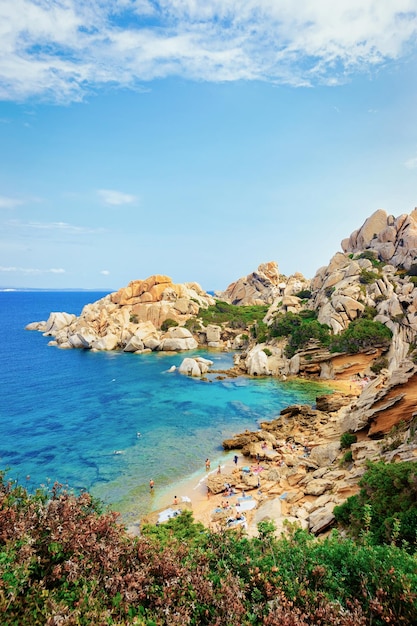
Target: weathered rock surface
130, 319
195, 367
265, 286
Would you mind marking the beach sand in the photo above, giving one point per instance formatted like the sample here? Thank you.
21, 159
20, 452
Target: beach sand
194, 487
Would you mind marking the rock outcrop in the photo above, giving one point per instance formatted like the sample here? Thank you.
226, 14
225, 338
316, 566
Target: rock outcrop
394, 239
298, 468
195, 367
131, 318
265, 286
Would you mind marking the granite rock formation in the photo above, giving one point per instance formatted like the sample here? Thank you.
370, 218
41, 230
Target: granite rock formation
131, 318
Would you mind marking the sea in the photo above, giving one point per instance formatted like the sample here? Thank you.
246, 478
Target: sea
108, 422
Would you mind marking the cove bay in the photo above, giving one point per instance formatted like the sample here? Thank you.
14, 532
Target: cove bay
108, 422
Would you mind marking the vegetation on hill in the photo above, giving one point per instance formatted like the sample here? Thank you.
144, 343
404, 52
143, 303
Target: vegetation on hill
235, 316
64, 560
301, 328
387, 501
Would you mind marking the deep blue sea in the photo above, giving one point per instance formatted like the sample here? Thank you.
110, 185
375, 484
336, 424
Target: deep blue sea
64, 413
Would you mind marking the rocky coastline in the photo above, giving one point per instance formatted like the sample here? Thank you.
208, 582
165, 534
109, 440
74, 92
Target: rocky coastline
297, 468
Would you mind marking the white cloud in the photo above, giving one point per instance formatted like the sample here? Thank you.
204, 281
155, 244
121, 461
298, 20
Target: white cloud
105, 272
64, 227
9, 203
31, 270
59, 49
411, 164
115, 198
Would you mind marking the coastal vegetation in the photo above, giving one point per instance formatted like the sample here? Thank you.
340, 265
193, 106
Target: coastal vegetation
235, 316
388, 501
63, 559
301, 328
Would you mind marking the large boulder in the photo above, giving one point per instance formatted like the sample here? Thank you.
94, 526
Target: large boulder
195, 367
57, 321
257, 362
177, 339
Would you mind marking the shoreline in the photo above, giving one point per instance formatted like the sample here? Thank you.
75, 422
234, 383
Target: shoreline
194, 486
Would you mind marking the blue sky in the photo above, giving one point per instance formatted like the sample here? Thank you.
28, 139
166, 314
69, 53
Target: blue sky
199, 138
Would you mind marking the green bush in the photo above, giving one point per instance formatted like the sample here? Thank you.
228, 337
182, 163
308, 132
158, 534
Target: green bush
347, 457
193, 325
304, 294
389, 493
168, 323
235, 316
260, 331
369, 312
300, 328
361, 334
379, 364
372, 256
267, 351
367, 277
60, 557
347, 439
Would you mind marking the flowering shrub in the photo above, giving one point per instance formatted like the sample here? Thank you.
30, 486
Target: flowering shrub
64, 560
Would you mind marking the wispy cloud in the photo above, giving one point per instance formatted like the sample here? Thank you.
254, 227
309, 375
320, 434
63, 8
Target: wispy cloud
62, 227
31, 270
115, 198
9, 203
105, 272
411, 164
59, 50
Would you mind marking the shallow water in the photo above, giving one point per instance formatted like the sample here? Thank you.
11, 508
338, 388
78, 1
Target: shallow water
73, 416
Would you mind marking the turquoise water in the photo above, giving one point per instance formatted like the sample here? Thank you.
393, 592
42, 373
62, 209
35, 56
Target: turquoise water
64, 413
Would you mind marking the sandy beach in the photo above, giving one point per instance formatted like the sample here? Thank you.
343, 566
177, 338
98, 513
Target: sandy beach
194, 488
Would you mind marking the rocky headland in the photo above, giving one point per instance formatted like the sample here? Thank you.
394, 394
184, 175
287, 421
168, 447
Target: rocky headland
295, 466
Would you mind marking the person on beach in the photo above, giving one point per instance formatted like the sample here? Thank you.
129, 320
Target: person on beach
151, 484
175, 500
207, 464
219, 469
235, 459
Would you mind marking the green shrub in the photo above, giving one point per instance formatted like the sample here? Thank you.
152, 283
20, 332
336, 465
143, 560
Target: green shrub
260, 331
300, 328
193, 325
168, 323
62, 558
369, 312
347, 439
134, 319
267, 351
367, 277
235, 316
361, 334
389, 493
304, 294
347, 457
379, 364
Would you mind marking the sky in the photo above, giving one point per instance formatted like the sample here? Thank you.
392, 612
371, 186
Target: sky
199, 138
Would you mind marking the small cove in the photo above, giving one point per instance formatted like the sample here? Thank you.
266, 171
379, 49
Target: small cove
73, 416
